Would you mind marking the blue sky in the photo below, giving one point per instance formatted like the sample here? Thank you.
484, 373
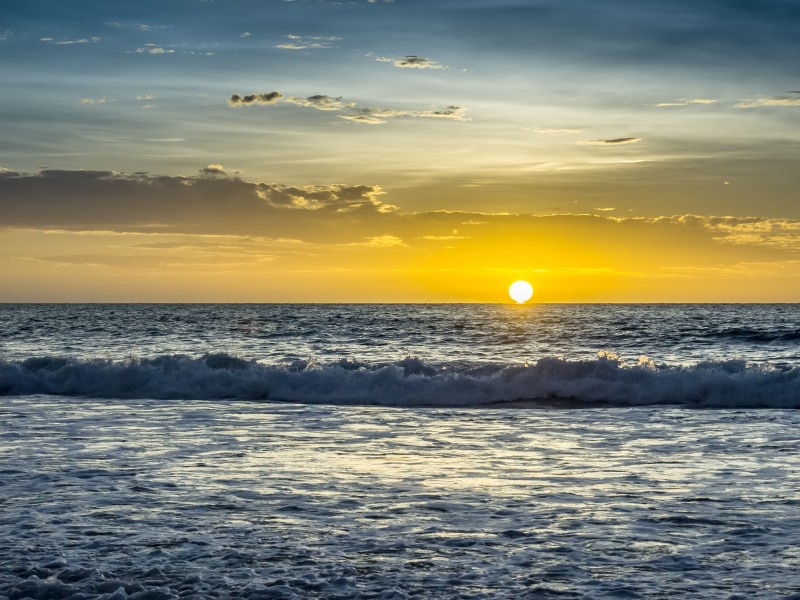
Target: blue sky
614, 108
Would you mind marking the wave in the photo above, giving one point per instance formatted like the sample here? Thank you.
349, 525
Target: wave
608, 380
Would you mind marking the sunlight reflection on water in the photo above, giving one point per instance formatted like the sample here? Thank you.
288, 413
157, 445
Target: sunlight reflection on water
322, 501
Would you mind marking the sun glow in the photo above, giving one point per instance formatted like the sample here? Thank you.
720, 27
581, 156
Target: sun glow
520, 291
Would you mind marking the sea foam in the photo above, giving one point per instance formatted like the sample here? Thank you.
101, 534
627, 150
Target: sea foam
410, 381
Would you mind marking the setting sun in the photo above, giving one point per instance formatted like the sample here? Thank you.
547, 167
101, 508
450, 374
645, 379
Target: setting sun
520, 291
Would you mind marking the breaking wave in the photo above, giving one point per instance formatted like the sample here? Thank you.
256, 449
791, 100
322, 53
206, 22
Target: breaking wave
410, 381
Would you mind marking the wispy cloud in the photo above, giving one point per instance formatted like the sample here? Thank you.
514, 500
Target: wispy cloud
378, 116
612, 142
102, 100
308, 42
320, 102
148, 100
154, 49
688, 102
237, 101
773, 101
410, 61
381, 241
69, 42
546, 131
134, 26
5, 34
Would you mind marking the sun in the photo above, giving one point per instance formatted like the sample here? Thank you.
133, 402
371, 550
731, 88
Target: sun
520, 291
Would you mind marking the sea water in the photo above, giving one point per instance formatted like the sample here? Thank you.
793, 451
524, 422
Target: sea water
400, 451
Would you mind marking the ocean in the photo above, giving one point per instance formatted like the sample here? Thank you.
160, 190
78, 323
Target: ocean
399, 451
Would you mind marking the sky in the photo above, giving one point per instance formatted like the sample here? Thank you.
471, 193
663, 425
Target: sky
399, 150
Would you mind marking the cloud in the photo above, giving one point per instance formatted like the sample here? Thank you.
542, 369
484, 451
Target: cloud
245, 34
212, 170
774, 101
366, 119
377, 116
416, 62
381, 241
688, 102
211, 203
352, 227
553, 131
308, 42
320, 102
207, 203
408, 62
237, 101
146, 97
758, 231
336, 198
153, 49
69, 42
612, 142
5, 34
102, 100
135, 26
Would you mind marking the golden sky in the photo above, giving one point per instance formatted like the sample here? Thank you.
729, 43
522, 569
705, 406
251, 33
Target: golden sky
400, 151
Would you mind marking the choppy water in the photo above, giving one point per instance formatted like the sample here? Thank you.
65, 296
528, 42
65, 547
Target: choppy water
161, 452
167, 499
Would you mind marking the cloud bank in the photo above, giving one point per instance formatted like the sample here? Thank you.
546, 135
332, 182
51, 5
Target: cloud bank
212, 203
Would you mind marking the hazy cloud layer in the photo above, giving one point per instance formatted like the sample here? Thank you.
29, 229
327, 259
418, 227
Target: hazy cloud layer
774, 101
236, 100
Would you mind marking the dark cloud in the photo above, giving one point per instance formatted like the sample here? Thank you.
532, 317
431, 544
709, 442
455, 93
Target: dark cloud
377, 116
612, 142
207, 203
416, 62
320, 102
254, 99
